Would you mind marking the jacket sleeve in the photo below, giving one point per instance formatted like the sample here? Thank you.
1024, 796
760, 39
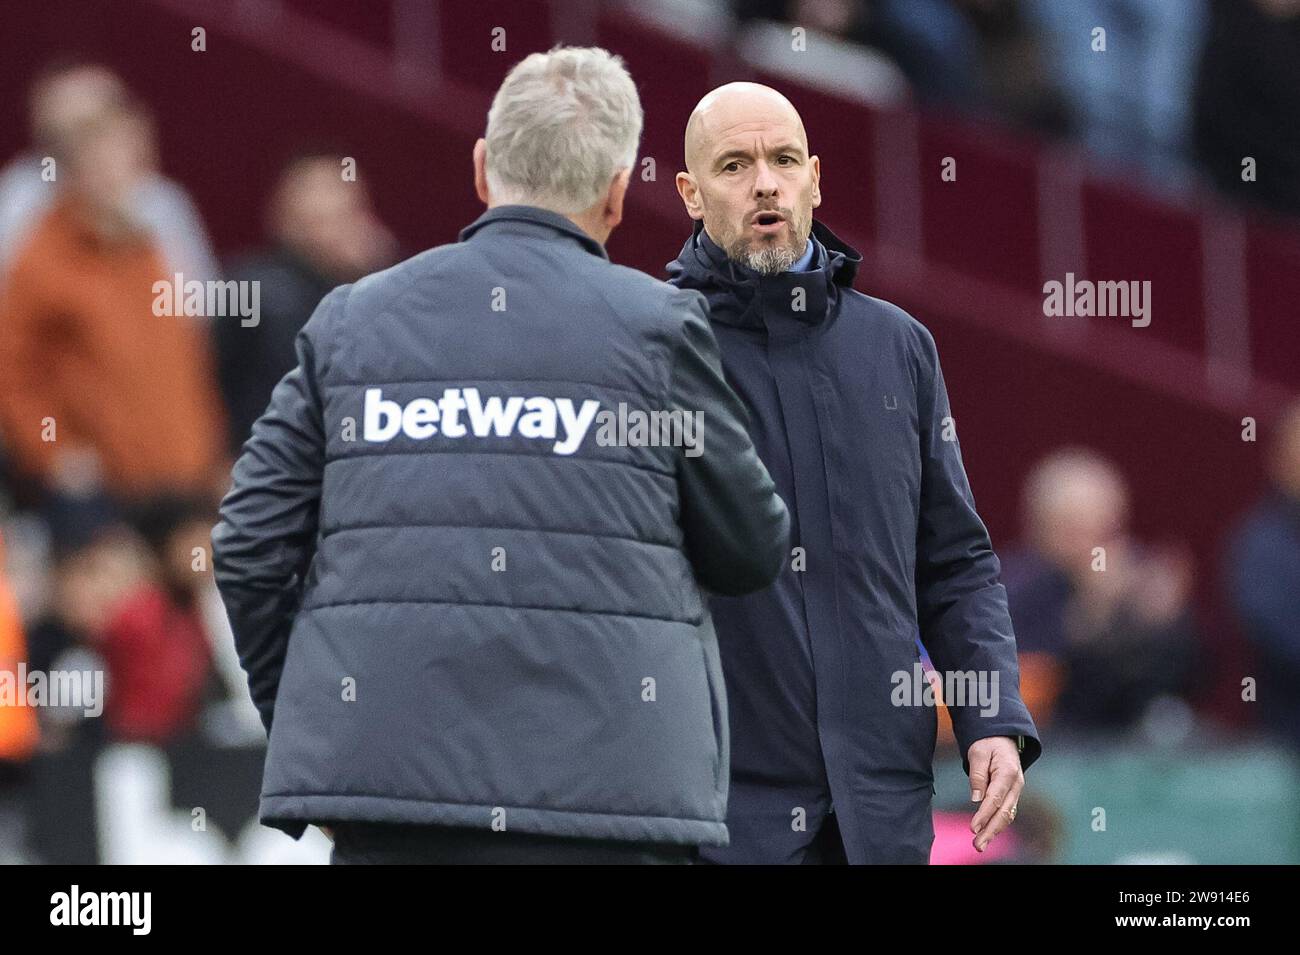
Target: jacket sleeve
961, 605
266, 536
736, 526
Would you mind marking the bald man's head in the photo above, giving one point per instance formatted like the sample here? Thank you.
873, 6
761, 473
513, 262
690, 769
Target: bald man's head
749, 175
729, 104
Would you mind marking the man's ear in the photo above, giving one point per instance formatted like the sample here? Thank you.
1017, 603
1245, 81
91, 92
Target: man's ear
480, 171
690, 193
816, 164
614, 198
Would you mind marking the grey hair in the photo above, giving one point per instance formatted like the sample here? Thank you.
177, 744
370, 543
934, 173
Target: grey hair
561, 125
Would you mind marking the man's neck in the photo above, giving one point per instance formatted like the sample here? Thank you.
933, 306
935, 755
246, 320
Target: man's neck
805, 260
591, 223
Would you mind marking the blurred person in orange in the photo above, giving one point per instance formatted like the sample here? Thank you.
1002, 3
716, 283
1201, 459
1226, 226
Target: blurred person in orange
1263, 582
1103, 617
18, 728
63, 96
98, 390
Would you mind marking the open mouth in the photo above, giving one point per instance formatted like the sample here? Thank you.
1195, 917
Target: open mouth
768, 218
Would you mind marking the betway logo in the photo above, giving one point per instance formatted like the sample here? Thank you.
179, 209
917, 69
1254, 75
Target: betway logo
535, 417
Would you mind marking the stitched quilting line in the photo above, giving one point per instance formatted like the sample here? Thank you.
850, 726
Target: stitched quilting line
517, 454
487, 603
397, 525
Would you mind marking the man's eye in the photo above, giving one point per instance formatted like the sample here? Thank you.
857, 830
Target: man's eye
784, 158
731, 167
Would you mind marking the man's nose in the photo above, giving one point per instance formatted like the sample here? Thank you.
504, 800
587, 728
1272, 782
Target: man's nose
765, 183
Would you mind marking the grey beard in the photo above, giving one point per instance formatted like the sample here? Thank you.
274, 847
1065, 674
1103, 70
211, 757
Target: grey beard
771, 260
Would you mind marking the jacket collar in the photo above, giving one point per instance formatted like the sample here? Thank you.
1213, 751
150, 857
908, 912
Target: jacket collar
531, 220
739, 296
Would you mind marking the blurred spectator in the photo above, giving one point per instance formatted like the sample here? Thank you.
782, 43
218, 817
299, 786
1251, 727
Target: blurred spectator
154, 646
18, 730
63, 97
324, 233
1132, 101
1115, 623
1248, 98
18, 727
976, 55
838, 61
97, 561
95, 389
1263, 582
134, 604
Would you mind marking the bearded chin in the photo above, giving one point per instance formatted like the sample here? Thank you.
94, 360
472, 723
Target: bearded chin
770, 259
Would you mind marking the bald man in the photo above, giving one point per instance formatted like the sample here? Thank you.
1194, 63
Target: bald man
832, 736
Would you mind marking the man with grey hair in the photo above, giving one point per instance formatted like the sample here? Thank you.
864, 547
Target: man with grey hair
472, 621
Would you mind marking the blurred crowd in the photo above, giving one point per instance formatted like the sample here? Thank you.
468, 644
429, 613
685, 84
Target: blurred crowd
119, 424
119, 419
1184, 90
1111, 643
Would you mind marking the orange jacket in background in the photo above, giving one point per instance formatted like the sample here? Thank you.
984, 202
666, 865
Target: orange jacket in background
18, 728
80, 343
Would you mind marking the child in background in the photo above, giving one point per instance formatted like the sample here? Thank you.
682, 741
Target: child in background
155, 649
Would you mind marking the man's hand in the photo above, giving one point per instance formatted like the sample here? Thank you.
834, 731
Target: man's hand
996, 780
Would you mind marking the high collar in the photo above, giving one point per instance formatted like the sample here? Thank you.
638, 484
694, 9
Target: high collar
739, 296
532, 220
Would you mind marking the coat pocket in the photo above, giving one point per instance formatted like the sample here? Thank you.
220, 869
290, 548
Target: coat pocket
718, 712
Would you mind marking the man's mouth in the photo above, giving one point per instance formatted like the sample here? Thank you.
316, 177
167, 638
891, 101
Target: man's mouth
767, 222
